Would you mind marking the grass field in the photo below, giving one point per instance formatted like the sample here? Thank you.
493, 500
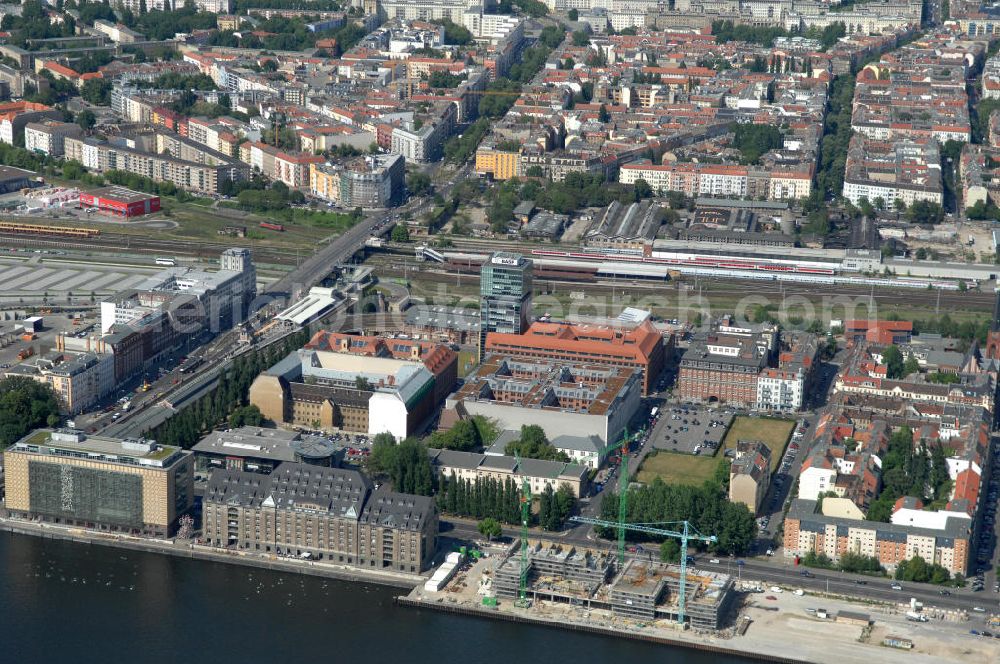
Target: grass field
675, 468
774, 432
466, 361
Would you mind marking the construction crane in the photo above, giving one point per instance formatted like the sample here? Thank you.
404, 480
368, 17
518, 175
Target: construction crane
623, 481
522, 589
685, 534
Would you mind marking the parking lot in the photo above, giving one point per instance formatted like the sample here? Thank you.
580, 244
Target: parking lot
690, 429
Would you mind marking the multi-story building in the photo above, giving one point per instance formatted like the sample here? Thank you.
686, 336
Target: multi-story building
784, 387
589, 400
328, 514
80, 380
807, 531
367, 182
725, 364
505, 283
496, 163
639, 346
259, 450
127, 485
206, 174
47, 137
891, 170
15, 115
223, 297
750, 474
354, 383
539, 474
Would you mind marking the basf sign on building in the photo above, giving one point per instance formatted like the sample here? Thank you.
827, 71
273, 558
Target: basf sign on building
119, 202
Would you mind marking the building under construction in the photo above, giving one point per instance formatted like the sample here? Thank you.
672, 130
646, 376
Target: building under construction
643, 590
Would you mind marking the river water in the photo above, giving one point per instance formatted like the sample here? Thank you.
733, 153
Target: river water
68, 602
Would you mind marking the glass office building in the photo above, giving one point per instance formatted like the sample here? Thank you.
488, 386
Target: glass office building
505, 295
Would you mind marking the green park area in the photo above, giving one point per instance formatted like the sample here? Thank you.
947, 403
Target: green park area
677, 468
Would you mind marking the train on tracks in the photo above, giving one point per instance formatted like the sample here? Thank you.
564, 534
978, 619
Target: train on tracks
20, 228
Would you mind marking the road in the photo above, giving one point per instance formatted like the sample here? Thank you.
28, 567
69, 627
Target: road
313, 269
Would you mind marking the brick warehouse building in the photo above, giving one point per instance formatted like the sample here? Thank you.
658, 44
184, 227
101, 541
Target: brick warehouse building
120, 202
641, 347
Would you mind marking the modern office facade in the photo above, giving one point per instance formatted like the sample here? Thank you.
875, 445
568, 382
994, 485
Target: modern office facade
505, 283
125, 485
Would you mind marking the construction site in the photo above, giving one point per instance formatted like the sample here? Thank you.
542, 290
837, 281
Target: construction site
642, 590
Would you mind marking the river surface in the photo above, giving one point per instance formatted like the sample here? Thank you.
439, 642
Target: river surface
68, 602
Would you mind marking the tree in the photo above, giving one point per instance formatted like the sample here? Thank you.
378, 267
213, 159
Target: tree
490, 528
533, 444
573, 15
892, 358
25, 405
580, 38
603, 115
670, 551
97, 91
86, 119
921, 254
400, 233
911, 366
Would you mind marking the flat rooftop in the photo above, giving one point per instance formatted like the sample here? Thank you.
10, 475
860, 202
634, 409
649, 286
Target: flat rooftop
74, 443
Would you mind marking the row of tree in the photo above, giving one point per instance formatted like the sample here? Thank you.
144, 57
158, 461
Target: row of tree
405, 465
490, 498
849, 562
228, 399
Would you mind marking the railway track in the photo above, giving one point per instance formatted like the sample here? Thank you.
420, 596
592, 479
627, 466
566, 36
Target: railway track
135, 245
945, 300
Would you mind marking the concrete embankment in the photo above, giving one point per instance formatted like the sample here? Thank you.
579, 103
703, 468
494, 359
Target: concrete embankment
196, 552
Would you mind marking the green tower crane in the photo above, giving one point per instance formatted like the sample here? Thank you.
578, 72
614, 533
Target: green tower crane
522, 591
685, 534
623, 481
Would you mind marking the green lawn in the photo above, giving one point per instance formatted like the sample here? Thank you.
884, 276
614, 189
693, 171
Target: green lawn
774, 432
676, 468
466, 362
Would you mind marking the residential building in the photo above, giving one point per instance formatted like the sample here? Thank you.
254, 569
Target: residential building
15, 115
750, 474
505, 283
47, 137
808, 531
496, 163
880, 332
80, 380
908, 170
328, 514
126, 485
366, 182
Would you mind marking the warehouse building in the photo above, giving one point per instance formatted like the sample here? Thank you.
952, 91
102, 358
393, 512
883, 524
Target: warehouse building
122, 485
328, 514
120, 202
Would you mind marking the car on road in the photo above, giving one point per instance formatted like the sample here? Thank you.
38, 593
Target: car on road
979, 609
772, 598
714, 561
806, 573
944, 592
861, 582
895, 586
